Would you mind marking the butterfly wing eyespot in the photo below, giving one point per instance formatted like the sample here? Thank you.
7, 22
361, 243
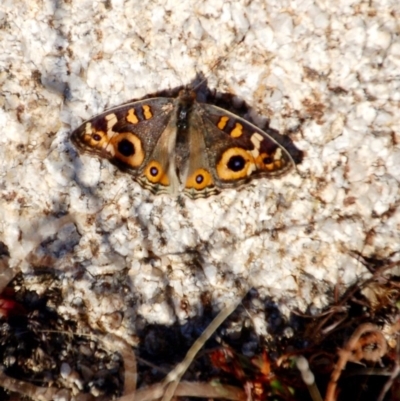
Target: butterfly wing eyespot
155, 173
97, 136
199, 180
126, 148
234, 164
271, 162
87, 137
95, 139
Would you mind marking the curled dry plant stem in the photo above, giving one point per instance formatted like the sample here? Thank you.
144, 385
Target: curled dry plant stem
354, 351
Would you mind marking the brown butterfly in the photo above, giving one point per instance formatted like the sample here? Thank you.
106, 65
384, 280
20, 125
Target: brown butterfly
172, 145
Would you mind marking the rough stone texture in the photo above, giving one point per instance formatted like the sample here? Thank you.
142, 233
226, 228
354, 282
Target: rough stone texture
327, 73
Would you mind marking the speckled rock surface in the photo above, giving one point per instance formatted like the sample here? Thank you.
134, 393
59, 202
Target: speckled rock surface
326, 74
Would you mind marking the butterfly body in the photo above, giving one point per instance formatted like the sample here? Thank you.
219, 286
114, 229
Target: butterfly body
173, 145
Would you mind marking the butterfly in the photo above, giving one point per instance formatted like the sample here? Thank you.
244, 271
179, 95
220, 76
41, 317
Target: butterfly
179, 145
